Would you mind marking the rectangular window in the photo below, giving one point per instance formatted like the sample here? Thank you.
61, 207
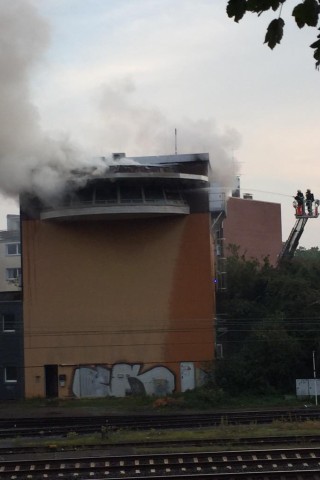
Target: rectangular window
8, 322
106, 194
85, 195
10, 374
13, 273
13, 248
153, 194
130, 194
173, 196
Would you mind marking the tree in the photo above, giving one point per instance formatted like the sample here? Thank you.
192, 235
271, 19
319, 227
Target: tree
268, 323
268, 362
305, 13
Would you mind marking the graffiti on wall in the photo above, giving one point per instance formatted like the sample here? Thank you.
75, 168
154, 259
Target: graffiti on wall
122, 379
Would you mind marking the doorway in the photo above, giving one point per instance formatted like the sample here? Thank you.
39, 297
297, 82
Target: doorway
51, 376
187, 376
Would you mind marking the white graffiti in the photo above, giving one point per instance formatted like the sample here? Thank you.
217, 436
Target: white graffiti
122, 379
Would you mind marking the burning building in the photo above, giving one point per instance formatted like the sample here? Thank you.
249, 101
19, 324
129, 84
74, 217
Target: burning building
118, 280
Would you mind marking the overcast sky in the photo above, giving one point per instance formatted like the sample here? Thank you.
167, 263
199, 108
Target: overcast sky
121, 75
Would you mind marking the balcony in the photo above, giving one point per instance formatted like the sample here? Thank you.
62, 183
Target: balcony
111, 200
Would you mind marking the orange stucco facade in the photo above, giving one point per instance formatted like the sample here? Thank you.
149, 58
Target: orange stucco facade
110, 305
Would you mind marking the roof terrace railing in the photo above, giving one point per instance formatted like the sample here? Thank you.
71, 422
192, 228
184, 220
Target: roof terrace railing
122, 196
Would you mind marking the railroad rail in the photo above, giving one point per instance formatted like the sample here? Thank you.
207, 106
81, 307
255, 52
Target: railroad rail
138, 446
57, 426
299, 463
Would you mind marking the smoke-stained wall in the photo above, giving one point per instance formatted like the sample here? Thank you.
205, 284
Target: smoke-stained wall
134, 292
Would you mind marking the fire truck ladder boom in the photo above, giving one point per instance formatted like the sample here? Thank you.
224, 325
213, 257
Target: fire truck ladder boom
293, 240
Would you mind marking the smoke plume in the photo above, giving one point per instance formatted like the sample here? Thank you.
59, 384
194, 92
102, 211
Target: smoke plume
126, 126
31, 161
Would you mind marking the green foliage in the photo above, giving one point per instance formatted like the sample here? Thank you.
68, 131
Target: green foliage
204, 397
313, 252
316, 54
269, 323
304, 13
274, 32
236, 9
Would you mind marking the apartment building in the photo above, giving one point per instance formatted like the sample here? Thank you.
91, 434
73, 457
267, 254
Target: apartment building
11, 325
10, 255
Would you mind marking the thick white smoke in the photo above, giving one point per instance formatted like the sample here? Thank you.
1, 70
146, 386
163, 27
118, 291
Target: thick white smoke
29, 160
123, 123
32, 161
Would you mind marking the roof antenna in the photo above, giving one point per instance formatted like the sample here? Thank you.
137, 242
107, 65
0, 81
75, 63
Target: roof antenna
175, 141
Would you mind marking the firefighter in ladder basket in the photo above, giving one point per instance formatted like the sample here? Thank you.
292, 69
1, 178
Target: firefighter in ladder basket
309, 201
299, 198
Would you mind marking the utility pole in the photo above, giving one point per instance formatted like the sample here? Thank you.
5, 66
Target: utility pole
175, 141
315, 377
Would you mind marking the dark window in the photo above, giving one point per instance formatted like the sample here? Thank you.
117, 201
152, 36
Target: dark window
8, 322
130, 194
173, 196
13, 273
10, 374
13, 249
106, 194
85, 195
153, 194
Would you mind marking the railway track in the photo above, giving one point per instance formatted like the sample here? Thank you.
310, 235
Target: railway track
261, 442
57, 426
298, 463
32, 463
138, 446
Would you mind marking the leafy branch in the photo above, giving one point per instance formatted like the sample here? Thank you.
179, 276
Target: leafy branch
305, 13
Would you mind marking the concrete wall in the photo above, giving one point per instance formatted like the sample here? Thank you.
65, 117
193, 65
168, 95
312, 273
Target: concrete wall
109, 302
254, 226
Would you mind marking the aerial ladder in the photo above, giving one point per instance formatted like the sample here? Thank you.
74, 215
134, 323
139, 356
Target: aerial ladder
302, 217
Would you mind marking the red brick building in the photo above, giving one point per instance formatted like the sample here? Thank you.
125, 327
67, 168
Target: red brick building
255, 227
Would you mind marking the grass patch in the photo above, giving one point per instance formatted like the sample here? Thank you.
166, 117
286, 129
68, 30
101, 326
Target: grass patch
200, 399
232, 433
124, 404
